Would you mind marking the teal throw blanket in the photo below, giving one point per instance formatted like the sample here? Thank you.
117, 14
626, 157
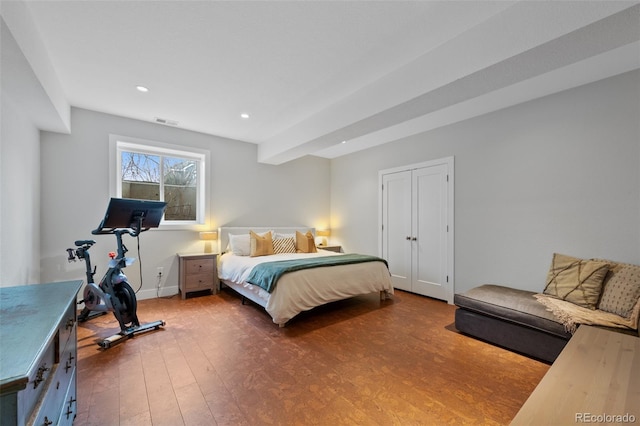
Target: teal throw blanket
266, 275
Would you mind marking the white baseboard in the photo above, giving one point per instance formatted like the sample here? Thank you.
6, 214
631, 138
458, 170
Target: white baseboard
153, 293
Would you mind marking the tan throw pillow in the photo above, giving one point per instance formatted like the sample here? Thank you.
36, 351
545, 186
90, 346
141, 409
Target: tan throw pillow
261, 245
578, 281
284, 245
305, 242
621, 292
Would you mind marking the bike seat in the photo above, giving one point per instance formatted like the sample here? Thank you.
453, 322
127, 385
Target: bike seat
80, 243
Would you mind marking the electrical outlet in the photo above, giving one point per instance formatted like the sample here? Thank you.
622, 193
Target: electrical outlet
160, 271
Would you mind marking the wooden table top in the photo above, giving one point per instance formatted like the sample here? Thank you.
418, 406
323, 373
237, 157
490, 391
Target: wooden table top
596, 379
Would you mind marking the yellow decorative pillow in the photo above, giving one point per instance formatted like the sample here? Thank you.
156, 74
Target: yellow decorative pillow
261, 245
576, 280
305, 242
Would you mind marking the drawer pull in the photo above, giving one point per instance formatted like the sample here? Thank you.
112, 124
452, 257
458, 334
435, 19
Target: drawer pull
69, 363
40, 375
70, 403
47, 422
69, 323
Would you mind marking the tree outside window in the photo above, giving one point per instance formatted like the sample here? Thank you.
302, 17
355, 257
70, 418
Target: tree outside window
163, 176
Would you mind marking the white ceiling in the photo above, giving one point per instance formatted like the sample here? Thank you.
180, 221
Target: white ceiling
314, 73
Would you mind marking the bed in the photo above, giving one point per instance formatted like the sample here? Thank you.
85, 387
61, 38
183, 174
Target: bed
304, 287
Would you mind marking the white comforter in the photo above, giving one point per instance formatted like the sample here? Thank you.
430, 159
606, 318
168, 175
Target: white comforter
300, 291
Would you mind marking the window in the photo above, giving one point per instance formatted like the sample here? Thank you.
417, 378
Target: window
147, 170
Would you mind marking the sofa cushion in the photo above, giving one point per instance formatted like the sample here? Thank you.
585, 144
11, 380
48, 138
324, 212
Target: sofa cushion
578, 281
509, 304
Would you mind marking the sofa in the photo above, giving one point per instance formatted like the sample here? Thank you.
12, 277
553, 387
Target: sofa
578, 291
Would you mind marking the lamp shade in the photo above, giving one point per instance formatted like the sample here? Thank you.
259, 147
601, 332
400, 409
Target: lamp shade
323, 233
209, 235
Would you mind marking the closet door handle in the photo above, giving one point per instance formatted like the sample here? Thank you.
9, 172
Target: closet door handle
408, 238
414, 239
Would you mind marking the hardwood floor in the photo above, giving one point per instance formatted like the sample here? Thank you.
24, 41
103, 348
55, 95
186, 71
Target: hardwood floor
359, 361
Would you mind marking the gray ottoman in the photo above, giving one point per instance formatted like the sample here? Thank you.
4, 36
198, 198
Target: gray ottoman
510, 318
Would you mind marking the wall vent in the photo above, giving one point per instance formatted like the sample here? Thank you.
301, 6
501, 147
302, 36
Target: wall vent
165, 121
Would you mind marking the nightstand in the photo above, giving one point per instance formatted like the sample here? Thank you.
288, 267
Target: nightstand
337, 249
198, 272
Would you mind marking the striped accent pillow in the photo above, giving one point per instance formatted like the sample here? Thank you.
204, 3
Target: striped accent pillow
284, 245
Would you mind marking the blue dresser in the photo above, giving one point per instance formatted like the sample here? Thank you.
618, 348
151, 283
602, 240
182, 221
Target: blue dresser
38, 354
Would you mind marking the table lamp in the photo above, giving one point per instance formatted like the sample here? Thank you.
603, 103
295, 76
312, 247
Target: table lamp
208, 236
323, 233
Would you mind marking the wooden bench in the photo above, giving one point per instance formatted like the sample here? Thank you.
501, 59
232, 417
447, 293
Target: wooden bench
596, 379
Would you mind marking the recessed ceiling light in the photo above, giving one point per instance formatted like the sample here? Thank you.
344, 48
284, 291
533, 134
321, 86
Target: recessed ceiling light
344, 142
142, 89
244, 115
165, 121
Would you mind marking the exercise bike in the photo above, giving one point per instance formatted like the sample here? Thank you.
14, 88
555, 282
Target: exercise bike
114, 293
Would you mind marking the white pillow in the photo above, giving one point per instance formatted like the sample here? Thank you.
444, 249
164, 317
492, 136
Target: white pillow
240, 244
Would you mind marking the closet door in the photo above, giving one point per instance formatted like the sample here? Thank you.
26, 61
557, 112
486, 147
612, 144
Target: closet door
429, 231
396, 229
416, 235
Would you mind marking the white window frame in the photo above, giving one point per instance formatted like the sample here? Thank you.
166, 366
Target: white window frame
118, 144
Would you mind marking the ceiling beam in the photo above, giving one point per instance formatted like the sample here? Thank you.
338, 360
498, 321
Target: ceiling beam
26, 62
568, 39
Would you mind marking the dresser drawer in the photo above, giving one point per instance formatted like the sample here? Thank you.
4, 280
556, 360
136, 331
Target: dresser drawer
70, 407
59, 404
199, 266
67, 328
59, 383
38, 380
68, 362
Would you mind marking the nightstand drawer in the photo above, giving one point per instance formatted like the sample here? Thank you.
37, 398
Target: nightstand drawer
197, 281
199, 266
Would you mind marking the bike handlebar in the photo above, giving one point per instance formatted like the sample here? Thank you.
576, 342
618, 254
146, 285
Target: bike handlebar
134, 229
121, 231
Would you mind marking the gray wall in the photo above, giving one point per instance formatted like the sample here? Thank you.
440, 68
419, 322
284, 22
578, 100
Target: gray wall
557, 174
19, 168
20, 197
75, 191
